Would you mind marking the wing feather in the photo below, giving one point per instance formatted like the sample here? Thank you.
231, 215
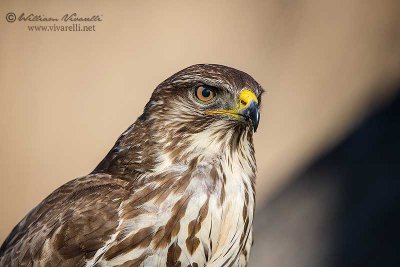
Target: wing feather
69, 226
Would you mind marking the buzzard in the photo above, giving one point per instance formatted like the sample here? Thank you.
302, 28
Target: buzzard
176, 189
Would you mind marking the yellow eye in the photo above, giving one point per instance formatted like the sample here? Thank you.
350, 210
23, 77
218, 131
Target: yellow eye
204, 93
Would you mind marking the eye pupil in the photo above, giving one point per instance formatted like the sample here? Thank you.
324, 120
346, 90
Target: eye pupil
206, 92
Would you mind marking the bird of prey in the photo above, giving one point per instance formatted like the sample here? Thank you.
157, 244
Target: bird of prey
176, 189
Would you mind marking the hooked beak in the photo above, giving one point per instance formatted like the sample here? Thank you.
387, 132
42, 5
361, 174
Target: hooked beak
247, 108
252, 112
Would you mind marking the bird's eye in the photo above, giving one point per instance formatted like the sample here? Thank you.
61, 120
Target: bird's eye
204, 93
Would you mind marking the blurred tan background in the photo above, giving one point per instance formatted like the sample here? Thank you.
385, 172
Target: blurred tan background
66, 96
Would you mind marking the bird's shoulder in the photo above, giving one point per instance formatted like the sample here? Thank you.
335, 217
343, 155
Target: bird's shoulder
70, 225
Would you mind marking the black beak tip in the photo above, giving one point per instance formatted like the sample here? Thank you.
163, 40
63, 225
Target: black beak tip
252, 112
255, 119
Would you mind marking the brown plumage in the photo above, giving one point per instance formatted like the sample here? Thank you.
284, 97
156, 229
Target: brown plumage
177, 188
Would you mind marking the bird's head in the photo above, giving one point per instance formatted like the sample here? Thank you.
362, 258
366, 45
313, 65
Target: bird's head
204, 97
196, 113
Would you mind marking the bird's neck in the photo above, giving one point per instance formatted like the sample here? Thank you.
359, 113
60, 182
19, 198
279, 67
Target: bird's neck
145, 148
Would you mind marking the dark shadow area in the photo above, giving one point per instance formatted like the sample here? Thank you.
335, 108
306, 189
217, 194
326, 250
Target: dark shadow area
344, 209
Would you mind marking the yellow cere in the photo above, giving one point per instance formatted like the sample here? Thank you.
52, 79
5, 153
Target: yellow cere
246, 96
